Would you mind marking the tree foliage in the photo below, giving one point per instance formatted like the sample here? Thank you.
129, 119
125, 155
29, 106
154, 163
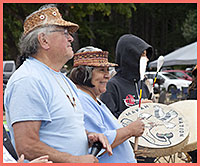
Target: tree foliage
189, 27
165, 26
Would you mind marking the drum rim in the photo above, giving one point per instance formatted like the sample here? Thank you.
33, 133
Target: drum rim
164, 151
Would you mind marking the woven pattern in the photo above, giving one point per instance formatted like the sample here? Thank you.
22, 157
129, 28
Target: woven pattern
95, 58
49, 16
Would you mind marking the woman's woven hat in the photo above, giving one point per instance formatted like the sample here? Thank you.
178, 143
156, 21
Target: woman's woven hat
91, 56
47, 16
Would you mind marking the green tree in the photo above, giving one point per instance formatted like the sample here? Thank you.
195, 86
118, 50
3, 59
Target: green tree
189, 27
93, 19
13, 17
101, 24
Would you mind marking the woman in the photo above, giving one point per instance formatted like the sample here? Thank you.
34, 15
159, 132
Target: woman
91, 74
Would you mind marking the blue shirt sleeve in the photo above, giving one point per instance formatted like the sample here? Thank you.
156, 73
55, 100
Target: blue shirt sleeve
92, 124
27, 101
94, 119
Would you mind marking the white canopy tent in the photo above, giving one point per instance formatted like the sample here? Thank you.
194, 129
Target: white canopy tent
186, 55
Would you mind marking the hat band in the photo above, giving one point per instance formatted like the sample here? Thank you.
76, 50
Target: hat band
90, 62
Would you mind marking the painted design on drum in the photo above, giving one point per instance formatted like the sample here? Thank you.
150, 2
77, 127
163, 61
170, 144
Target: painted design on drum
130, 100
161, 126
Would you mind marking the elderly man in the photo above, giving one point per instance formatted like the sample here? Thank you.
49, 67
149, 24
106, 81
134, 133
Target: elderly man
43, 112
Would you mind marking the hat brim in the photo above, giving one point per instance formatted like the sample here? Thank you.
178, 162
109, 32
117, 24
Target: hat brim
98, 64
72, 27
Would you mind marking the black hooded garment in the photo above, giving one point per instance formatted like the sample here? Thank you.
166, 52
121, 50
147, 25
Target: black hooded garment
123, 88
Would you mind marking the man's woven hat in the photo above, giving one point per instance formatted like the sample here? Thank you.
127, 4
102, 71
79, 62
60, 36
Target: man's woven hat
47, 16
91, 56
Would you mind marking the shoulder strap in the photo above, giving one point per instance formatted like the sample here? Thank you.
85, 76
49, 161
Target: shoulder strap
8, 145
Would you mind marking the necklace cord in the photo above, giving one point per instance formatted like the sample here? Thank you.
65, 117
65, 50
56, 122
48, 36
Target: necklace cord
73, 103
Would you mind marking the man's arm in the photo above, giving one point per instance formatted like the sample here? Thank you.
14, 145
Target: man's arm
27, 142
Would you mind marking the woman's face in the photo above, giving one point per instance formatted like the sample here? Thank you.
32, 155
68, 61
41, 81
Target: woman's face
100, 77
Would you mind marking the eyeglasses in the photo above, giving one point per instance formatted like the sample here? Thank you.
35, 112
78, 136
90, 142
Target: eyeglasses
66, 33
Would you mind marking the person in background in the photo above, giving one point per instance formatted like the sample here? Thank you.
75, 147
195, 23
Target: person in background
7, 158
91, 74
192, 95
192, 89
122, 90
43, 112
10, 155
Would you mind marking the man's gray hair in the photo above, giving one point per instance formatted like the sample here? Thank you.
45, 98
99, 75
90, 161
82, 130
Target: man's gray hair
29, 44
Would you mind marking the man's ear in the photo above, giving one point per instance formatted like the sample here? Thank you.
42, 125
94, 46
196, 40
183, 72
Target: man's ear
43, 40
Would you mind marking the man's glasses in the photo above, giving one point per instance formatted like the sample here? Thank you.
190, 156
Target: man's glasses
66, 33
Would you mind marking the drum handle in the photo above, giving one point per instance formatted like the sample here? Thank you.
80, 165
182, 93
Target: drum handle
139, 109
136, 144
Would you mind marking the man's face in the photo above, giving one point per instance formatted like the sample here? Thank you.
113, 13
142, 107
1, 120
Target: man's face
60, 43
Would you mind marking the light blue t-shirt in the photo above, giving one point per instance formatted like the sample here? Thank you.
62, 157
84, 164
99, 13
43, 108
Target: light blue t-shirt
99, 119
34, 93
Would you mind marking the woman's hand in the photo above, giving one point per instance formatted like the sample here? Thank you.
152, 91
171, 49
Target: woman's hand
42, 159
136, 128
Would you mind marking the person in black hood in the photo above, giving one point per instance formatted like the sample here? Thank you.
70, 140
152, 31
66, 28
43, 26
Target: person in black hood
122, 90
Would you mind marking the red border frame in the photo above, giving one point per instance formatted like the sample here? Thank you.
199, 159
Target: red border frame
99, 1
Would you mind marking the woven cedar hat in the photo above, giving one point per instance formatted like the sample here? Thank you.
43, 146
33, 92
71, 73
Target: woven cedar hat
48, 16
91, 56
